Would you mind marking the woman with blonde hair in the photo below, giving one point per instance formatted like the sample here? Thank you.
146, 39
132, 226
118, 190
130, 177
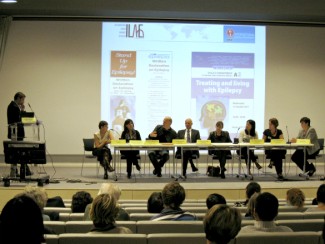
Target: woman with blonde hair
295, 198
103, 213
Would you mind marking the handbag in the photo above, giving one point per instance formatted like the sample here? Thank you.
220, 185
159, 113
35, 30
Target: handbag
213, 171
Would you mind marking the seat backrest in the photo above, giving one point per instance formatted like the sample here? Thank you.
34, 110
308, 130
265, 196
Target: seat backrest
279, 238
289, 215
102, 238
150, 227
57, 226
51, 239
314, 215
321, 143
86, 226
88, 144
141, 216
76, 216
57, 210
167, 238
303, 224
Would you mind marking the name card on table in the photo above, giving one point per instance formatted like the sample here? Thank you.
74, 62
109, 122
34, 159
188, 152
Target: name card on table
303, 141
203, 142
27, 120
151, 142
179, 141
256, 141
117, 142
136, 142
278, 141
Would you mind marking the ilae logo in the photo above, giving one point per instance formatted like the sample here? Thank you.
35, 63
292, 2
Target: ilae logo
134, 31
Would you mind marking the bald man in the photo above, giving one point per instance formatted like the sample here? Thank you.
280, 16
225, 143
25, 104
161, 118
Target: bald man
191, 136
163, 133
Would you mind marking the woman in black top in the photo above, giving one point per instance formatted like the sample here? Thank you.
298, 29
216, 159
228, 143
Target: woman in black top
129, 133
220, 136
275, 156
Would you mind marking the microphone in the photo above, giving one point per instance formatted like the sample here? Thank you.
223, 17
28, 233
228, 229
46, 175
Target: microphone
288, 142
37, 121
236, 139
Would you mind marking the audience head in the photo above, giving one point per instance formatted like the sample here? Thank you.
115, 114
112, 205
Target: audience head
21, 221
222, 224
273, 122
38, 194
155, 203
251, 205
321, 194
266, 207
111, 189
173, 195
305, 120
80, 200
251, 188
103, 210
214, 199
102, 124
295, 197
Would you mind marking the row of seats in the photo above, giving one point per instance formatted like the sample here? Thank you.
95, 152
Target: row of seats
147, 216
149, 227
186, 238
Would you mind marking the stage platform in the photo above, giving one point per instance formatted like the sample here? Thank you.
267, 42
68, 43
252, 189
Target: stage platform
65, 180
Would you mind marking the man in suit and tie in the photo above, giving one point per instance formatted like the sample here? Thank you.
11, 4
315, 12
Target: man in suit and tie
191, 136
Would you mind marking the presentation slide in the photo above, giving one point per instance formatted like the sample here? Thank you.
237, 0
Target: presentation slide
206, 72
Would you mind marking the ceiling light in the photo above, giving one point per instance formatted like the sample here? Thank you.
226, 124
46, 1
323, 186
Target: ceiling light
8, 1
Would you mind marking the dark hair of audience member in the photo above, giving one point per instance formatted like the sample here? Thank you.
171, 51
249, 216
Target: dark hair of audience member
251, 188
321, 194
214, 199
222, 224
266, 207
155, 203
79, 201
21, 221
173, 195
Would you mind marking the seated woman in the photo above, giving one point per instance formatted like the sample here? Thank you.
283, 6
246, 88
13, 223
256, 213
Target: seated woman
245, 136
275, 156
129, 133
295, 198
103, 213
220, 136
103, 153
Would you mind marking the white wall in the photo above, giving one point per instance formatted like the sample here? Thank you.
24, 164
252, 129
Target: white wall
58, 64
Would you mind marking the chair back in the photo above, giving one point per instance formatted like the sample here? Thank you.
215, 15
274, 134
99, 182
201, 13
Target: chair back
88, 144
167, 238
150, 227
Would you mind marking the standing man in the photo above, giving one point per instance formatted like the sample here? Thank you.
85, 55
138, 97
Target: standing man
14, 111
191, 136
163, 133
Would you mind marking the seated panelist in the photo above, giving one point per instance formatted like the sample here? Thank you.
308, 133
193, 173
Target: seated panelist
191, 136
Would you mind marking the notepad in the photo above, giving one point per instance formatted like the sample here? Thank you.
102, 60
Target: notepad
278, 141
203, 142
303, 141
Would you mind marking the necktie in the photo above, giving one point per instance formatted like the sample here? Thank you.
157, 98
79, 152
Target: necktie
188, 137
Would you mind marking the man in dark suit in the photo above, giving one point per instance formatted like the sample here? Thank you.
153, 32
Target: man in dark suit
191, 136
14, 111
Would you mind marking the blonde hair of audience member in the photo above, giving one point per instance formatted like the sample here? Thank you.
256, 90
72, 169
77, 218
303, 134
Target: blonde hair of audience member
295, 197
221, 224
111, 189
103, 210
251, 205
38, 194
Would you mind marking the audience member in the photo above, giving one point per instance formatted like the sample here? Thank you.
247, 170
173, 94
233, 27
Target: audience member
320, 199
251, 206
40, 196
155, 203
80, 200
164, 133
266, 210
55, 202
112, 190
21, 222
214, 199
222, 224
251, 188
103, 213
295, 198
173, 195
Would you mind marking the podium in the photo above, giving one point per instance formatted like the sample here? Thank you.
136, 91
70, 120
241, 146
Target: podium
31, 150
